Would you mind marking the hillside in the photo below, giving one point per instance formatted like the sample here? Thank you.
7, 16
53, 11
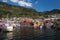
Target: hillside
21, 11
16, 10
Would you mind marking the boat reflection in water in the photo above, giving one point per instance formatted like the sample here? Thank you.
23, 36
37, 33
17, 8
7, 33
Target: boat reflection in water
8, 36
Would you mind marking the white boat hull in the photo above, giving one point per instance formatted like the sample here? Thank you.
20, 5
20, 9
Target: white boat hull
8, 28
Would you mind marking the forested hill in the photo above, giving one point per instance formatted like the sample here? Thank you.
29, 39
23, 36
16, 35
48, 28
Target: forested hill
15, 10
21, 11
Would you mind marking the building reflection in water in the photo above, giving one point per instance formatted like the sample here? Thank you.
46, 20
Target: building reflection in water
30, 33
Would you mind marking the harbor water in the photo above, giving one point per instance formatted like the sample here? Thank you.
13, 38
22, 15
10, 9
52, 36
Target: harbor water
29, 33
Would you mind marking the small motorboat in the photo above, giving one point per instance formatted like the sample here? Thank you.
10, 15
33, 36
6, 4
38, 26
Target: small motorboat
36, 24
8, 27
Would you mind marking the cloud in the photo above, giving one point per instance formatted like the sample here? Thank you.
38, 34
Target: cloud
4, 0
23, 3
14, 0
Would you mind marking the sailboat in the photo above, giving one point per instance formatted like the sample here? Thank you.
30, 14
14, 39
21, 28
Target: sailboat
8, 26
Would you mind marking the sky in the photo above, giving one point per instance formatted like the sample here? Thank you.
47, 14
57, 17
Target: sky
38, 5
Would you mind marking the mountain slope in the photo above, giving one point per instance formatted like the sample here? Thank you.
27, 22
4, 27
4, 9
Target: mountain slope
16, 10
22, 12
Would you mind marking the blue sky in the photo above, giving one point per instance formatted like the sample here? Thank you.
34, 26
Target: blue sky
38, 5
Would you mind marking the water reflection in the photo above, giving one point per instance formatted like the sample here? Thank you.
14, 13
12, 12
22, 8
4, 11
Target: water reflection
29, 33
8, 36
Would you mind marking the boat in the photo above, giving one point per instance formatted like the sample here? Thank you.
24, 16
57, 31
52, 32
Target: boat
36, 24
8, 27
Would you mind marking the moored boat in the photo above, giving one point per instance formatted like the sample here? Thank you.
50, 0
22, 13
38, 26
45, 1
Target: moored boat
8, 27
